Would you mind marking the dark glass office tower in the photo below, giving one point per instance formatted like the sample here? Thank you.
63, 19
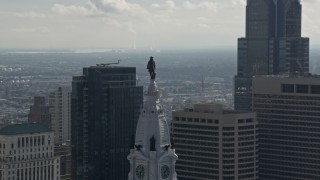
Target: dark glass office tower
106, 104
273, 45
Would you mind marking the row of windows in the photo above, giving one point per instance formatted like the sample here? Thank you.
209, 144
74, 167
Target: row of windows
197, 148
246, 149
288, 97
266, 173
289, 138
193, 137
251, 143
26, 157
262, 132
184, 119
245, 120
195, 143
200, 154
241, 155
245, 160
197, 164
291, 159
298, 113
292, 166
32, 141
184, 173
291, 122
206, 159
13, 152
245, 171
300, 88
195, 169
288, 117
292, 151
288, 128
287, 106
21, 165
200, 127
288, 143
195, 132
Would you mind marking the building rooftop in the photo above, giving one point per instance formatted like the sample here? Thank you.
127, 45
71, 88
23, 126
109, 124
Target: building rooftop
23, 129
212, 108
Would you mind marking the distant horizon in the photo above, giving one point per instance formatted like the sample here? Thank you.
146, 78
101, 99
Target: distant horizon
168, 48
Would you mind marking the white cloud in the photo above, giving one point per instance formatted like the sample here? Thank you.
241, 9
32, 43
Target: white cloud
205, 5
76, 10
202, 25
41, 29
203, 19
113, 5
28, 14
239, 2
167, 5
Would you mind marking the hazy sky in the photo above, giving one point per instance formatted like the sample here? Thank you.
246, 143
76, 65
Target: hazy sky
129, 23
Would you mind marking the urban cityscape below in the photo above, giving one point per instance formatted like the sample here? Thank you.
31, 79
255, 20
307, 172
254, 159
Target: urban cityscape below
249, 111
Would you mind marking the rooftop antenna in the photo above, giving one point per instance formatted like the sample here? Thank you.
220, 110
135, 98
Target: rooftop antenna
107, 64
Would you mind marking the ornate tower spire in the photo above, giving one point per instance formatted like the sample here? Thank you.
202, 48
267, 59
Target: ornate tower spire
152, 157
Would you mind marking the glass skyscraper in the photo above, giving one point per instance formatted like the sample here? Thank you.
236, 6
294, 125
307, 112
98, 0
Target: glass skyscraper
273, 45
106, 104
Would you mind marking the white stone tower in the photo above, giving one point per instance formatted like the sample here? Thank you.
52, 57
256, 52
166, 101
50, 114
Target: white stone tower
153, 156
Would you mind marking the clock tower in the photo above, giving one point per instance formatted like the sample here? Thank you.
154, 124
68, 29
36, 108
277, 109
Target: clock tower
153, 156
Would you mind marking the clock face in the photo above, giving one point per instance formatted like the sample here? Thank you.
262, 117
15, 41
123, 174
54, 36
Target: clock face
165, 172
140, 172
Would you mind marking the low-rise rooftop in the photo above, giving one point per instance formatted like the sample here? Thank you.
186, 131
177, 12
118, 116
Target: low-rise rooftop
29, 128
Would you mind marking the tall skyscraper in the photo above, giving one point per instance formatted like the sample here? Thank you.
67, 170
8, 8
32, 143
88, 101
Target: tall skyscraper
213, 143
153, 156
273, 45
60, 113
28, 153
106, 103
39, 112
288, 115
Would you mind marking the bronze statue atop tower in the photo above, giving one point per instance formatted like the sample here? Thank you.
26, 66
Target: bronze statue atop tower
152, 68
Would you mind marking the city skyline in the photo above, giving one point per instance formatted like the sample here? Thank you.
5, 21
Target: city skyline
273, 45
131, 23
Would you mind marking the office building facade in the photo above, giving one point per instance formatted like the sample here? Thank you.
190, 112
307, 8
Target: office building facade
288, 115
63, 151
273, 45
27, 152
39, 112
106, 104
60, 114
213, 143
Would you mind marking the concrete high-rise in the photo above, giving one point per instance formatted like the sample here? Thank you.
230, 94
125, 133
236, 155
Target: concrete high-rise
60, 113
273, 45
213, 143
39, 112
27, 152
288, 117
106, 104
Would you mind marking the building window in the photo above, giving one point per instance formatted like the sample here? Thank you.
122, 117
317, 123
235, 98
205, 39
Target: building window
302, 89
315, 89
287, 88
